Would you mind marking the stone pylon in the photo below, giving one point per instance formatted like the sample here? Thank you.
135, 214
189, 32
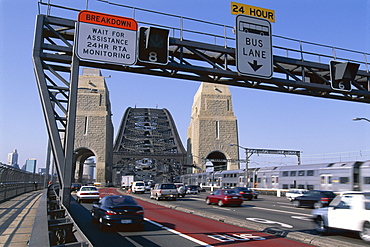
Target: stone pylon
213, 127
94, 128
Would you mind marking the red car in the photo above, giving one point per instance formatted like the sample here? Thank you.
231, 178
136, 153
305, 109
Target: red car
224, 197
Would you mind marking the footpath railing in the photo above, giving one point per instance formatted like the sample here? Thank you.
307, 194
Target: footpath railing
53, 225
14, 182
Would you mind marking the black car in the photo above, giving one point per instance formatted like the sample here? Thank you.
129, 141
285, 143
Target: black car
118, 210
314, 199
246, 193
75, 186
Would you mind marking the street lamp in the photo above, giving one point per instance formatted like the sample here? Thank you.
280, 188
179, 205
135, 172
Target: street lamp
360, 118
246, 177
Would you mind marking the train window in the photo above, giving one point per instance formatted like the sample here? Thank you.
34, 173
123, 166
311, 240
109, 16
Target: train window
293, 173
344, 180
300, 186
367, 180
285, 174
310, 172
310, 187
301, 173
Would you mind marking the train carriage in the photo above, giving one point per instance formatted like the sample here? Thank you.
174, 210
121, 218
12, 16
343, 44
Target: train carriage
339, 176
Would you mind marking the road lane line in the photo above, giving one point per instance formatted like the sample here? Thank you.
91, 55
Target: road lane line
201, 243
280, 211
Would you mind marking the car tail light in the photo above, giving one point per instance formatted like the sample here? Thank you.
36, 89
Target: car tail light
241, 192
139, 212
110, 213
84, 194
325, 199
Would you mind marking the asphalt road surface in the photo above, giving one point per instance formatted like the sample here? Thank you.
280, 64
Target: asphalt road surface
168, 227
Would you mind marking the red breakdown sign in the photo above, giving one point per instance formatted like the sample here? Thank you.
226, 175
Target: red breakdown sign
106, 38
107, 20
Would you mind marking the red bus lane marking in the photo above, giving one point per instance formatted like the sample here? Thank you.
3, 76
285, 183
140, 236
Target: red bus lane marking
208, 231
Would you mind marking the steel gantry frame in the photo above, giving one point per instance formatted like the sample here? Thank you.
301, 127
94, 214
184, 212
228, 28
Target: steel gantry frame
56, 69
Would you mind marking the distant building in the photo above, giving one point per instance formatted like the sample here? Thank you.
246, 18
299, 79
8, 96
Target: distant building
13, 159
30, 165
42, 171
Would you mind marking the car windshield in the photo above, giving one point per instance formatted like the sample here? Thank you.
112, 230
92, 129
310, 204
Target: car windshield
119, 200
89, 189
168, 186
139, 184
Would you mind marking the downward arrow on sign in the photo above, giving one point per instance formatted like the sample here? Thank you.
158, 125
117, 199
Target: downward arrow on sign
255, 65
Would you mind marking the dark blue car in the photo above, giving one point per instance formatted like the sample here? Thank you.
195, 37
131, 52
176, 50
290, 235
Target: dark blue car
118, 210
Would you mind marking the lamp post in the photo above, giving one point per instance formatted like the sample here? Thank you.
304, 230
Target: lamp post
360, 118
247, 156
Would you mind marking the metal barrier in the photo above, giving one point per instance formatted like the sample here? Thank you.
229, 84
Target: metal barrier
53, 225
14, 181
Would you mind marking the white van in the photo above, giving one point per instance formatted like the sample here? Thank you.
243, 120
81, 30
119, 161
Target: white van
138, 187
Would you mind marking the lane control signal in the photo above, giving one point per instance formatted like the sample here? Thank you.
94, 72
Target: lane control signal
153, 45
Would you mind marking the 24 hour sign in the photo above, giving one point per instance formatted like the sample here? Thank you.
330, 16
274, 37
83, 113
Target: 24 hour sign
106, 38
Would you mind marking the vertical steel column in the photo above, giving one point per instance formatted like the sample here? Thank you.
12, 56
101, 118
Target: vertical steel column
70, 129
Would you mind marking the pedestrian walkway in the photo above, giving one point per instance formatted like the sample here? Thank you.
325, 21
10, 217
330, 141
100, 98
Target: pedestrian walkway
17, 216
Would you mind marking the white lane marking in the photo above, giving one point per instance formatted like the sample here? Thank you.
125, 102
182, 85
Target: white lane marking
265, 221
227, 209
201, 243
280, 211
301, 218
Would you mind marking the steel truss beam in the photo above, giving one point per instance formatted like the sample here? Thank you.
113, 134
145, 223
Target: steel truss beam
189, 60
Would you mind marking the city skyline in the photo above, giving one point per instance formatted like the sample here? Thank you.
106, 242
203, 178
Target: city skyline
318, 127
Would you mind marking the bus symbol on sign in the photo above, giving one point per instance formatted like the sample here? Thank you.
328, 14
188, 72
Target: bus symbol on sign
253, 47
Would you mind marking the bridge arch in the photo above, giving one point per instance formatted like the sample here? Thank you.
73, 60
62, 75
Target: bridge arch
80, 157
216, 157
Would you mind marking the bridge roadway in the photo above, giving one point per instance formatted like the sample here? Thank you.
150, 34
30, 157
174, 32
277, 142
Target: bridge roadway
182, 225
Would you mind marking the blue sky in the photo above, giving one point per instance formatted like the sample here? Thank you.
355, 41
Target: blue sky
265, 119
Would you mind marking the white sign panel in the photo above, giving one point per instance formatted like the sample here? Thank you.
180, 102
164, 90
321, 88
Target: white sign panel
106, 38
253, 46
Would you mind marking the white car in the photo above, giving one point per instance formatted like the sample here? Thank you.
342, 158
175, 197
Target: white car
293, 193
87, 193
348, 211
138, 187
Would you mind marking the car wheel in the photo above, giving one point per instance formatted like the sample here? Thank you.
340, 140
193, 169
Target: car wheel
157, 197
220, 203
255, 197
102, 227
320, 226
296, 204
208, 201
317, 205
365, 233
249, 199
